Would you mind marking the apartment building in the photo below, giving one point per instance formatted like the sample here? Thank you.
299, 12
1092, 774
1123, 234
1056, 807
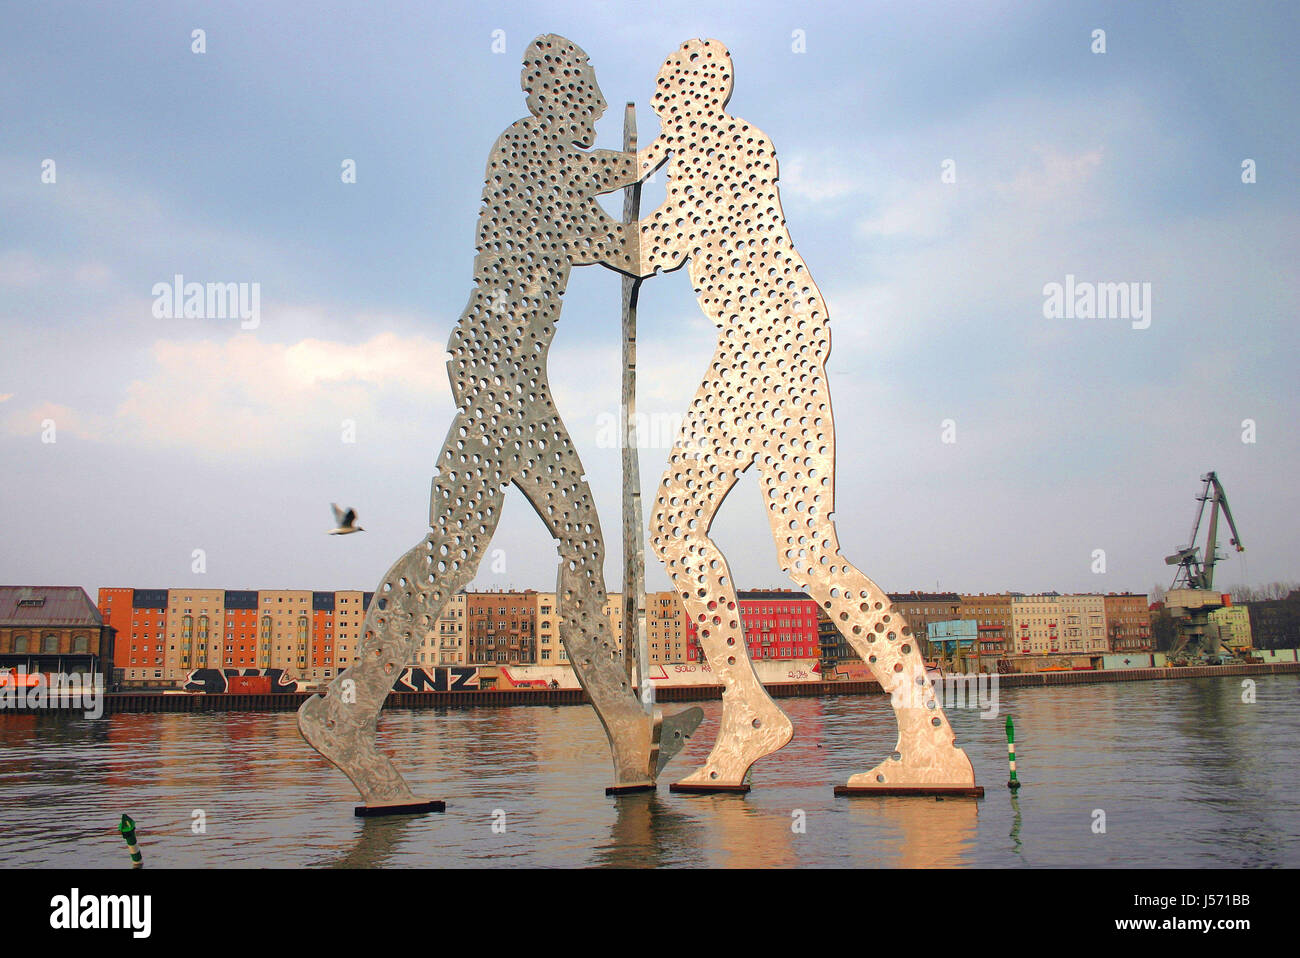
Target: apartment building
1083, 625
1231, 626
922, 608
336, 626
1128, 622
1275, 623
139, 617
1036, 622
445, 645
501, 628
667, 631
992, 615
164, 634
193, 626
777, 623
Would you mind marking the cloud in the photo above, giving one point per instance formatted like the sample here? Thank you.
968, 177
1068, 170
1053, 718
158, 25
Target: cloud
92, 273
36, 420
20, 269
249, 398
819, 178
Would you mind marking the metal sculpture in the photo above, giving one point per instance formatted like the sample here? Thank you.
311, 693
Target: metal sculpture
539, 219
764, 399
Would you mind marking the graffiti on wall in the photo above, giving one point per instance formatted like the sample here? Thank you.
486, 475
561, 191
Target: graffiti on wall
455, 678
248, 681
265, 681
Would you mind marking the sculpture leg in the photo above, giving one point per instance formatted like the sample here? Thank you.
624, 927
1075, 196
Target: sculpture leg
696, 483
799, 490
341, 722
557, 490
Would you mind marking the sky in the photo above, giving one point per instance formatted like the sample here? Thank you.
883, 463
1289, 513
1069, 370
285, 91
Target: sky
941, 165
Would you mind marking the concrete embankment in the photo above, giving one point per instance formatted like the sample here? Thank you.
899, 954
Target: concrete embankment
289, 701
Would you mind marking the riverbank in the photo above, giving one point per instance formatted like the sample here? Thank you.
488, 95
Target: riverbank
125, 702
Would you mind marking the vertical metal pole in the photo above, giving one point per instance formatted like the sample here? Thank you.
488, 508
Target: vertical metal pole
635, 644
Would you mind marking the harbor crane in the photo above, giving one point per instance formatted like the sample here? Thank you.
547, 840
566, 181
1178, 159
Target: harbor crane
1191, 597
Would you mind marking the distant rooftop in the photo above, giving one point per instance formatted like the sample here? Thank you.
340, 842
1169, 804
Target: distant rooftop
924, 597
47, 605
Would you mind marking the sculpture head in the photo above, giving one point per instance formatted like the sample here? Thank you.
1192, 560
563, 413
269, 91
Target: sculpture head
562, 88
695, 78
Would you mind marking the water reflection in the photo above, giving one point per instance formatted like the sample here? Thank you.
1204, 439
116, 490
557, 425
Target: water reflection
919, 832
1016, 843
376, 841
647, 833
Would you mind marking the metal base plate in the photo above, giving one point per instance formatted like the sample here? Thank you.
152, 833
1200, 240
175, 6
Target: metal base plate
410, 808
627, 789
707, 789
975, 791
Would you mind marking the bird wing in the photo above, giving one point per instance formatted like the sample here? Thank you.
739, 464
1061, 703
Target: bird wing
338, 513
350, 518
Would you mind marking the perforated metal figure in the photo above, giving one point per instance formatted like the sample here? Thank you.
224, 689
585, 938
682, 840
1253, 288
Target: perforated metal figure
539, 219
765, 399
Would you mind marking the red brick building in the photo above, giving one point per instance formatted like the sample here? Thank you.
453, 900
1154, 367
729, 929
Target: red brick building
778, 624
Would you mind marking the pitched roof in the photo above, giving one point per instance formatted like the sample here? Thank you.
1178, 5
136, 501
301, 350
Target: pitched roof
47, 605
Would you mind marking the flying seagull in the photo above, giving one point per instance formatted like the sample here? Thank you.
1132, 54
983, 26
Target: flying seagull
346, 521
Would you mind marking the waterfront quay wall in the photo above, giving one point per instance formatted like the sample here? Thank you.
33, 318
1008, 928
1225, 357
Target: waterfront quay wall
290, 701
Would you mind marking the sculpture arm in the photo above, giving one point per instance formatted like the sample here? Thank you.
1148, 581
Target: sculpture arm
614, 170
663, 245
649, 159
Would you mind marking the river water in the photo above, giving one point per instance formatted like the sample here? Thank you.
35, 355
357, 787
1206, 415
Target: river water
1185, 773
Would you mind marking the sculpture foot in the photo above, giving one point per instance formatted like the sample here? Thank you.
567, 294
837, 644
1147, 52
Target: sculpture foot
919, 771
351, 748
631, 742
746, 736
